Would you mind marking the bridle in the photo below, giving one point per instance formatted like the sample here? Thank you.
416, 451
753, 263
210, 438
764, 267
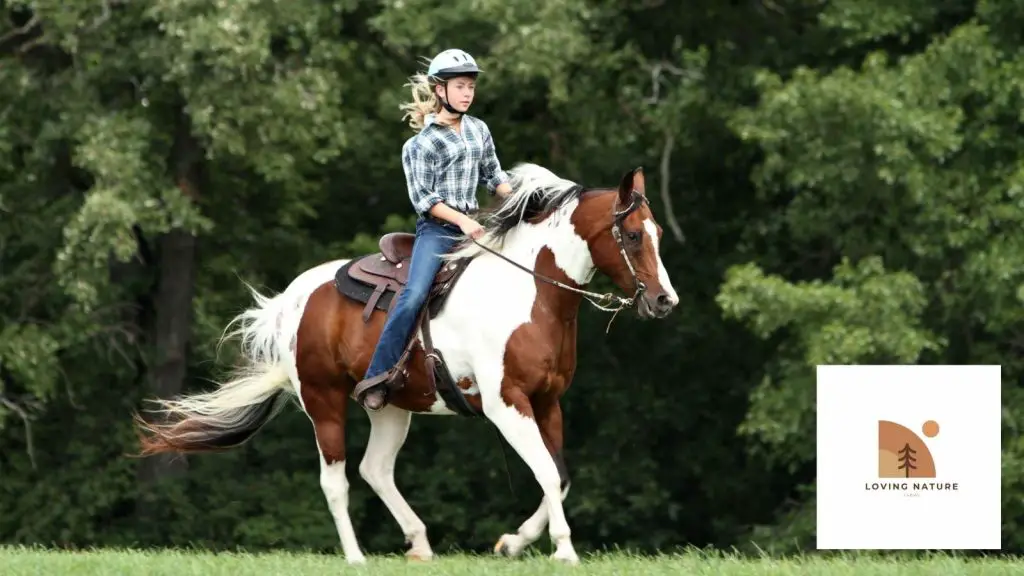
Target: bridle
636, 201
607, 302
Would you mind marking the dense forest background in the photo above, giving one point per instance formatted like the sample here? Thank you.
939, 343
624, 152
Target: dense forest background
839, 182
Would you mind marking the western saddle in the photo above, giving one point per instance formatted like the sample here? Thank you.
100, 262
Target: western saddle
387, 272
377, 279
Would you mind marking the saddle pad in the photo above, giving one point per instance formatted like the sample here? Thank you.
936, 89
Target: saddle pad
359, 291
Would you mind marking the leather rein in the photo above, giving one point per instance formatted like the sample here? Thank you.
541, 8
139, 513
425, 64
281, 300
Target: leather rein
608, 301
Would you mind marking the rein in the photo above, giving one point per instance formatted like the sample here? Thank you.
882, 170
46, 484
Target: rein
604, 301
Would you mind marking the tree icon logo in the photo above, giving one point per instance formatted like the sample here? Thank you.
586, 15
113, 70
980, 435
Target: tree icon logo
902, 453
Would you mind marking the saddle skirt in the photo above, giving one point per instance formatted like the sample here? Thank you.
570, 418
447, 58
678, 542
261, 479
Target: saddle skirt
376, 279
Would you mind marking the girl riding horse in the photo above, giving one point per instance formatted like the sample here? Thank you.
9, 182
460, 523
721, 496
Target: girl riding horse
450, 155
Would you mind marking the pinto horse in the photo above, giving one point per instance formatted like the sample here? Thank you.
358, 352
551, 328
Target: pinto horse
507, 327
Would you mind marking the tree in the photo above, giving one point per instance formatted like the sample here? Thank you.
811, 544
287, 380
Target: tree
907, 460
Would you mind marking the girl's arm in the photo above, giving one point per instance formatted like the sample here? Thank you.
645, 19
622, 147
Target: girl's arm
444, 212
418, 164
491, 174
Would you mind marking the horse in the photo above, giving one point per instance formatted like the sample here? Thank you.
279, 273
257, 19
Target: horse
507, 323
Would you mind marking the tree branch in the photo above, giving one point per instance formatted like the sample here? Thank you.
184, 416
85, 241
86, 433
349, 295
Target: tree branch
27, 46
658, 71
666, 198
24, 38
21, 30
103, 17
27, 421
770, 5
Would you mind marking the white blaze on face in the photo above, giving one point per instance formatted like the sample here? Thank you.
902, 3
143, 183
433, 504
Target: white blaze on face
663, 278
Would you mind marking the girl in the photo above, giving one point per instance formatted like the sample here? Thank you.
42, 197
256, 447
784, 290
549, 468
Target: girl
449, 156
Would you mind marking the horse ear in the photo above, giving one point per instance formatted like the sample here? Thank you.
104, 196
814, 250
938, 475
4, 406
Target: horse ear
632, 180
638, 180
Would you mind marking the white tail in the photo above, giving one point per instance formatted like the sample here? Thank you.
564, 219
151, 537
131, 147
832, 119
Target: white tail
236, 409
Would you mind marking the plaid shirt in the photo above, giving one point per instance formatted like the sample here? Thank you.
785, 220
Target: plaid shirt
442, 165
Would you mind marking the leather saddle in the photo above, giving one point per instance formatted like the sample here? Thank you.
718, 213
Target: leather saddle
386, 273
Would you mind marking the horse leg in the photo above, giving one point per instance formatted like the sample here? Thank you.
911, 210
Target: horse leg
389, 428
325, 405
548, 414
511, 412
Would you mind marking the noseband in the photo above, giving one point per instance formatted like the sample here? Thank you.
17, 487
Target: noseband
600, 301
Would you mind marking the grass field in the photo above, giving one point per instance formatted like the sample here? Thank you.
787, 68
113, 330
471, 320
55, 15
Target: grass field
21, 561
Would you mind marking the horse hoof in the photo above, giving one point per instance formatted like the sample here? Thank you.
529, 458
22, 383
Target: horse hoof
417, 556
356, 560
508, 545
569, 558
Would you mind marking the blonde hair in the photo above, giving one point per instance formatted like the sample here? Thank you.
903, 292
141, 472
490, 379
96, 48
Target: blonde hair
424, 101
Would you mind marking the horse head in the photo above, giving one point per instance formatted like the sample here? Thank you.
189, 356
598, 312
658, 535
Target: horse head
608, 229
624, 240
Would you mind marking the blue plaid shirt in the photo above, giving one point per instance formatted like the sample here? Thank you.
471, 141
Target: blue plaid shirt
442, 165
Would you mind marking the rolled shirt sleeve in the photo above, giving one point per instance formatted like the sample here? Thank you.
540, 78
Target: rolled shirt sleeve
491, 174
418, 163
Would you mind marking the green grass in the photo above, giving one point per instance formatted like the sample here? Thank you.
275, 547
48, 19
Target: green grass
22, 561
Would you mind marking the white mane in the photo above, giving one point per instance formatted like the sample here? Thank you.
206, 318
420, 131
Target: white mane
535, 190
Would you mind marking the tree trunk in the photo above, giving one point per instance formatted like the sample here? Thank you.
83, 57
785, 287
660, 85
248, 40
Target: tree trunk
173, 304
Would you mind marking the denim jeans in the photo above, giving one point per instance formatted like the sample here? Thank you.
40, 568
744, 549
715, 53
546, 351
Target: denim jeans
432, 240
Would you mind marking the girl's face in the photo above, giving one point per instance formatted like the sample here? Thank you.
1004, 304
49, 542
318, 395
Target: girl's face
460, 92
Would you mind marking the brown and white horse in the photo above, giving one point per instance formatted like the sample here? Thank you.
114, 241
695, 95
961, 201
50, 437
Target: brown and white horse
508, 335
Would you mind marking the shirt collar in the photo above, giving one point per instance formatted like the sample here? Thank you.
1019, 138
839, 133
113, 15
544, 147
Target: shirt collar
431, 118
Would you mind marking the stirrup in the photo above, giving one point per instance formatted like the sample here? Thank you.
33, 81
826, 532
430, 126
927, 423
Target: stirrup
382, 379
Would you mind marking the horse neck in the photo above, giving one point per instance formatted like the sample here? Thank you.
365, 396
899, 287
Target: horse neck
553, 247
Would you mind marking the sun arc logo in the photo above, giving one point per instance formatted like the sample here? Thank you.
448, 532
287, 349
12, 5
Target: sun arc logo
903, 454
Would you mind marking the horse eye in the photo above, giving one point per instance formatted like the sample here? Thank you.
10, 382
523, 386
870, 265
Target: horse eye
633, 236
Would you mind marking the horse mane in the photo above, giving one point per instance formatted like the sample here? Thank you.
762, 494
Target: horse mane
536, 192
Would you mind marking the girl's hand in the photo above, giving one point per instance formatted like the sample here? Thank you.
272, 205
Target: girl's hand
471, 228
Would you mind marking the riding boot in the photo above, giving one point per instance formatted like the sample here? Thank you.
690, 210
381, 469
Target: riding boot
372, 392
375, 398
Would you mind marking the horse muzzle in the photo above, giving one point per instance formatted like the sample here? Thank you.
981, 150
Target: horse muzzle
656, 305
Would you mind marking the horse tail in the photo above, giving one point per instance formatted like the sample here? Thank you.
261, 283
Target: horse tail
235, 410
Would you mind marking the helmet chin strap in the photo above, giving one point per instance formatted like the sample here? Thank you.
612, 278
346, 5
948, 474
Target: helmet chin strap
445, 104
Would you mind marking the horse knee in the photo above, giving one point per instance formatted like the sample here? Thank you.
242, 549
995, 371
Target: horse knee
374, 470
366, 470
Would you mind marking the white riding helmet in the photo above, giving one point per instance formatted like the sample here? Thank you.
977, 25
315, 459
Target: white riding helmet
452, 62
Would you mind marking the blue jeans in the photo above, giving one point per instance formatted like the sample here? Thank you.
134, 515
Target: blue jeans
432, 241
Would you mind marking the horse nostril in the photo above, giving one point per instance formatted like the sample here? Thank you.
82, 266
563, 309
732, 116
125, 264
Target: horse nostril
664, 301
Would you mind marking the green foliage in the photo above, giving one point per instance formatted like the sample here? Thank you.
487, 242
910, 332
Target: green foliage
865, 315
907, 160
864, 21
848, 177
